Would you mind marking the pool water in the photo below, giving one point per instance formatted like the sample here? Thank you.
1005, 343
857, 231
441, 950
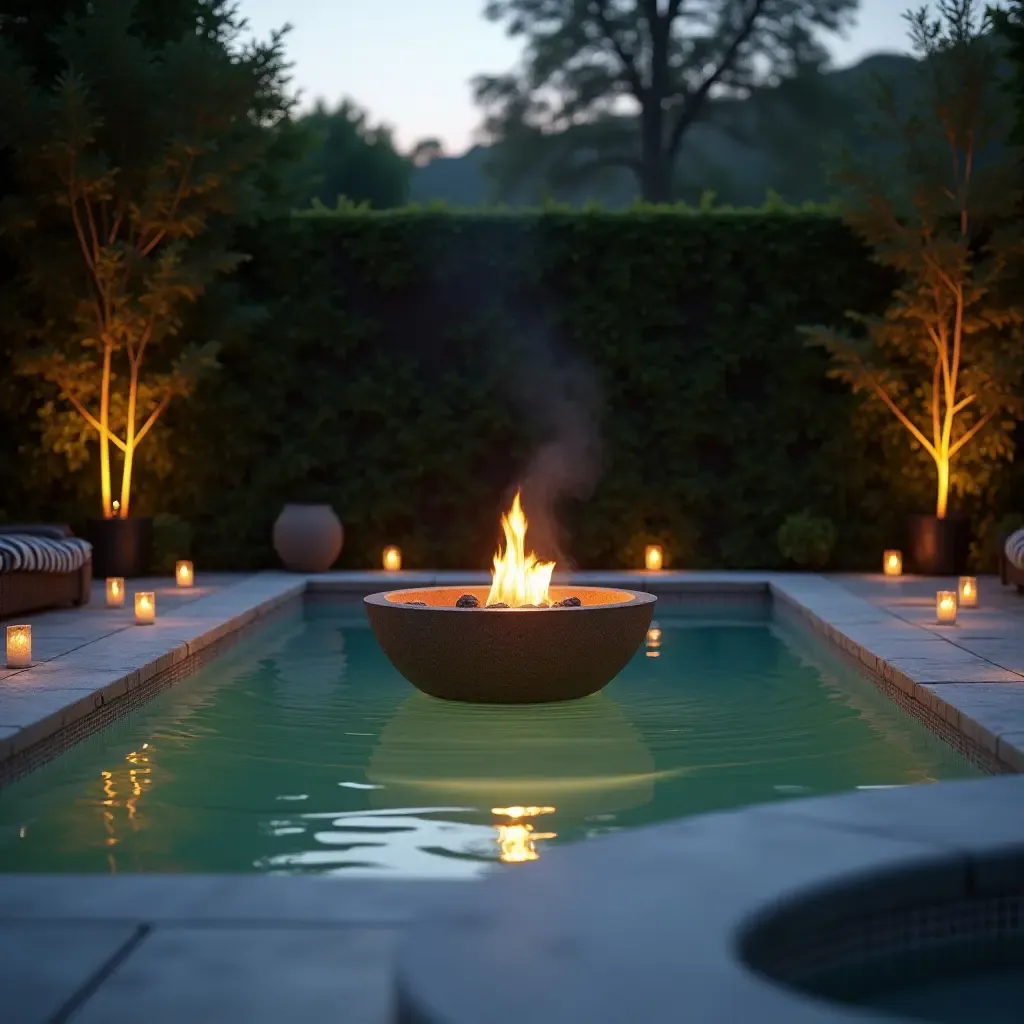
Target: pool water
301, 750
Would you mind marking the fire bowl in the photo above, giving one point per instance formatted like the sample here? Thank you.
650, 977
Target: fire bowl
509, 655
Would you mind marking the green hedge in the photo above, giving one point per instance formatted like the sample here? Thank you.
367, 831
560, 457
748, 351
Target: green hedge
411, 363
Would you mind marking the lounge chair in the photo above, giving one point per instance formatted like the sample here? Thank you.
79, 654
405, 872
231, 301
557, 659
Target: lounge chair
42, 567
1011, 560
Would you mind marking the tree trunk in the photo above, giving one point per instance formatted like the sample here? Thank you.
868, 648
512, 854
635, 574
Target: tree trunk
655, 162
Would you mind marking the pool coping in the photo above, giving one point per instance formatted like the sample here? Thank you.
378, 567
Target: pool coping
694, 905
68, 697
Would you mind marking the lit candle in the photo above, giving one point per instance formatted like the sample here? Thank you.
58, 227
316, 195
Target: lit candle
183, 574
392, 558
19, 646
968, 590
115, 592
145, 608
892, 563
654, 641
652, 557
945, 606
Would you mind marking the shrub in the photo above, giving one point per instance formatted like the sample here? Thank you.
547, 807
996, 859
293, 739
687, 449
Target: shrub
807, 540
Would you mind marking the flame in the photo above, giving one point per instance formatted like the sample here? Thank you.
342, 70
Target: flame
519, 579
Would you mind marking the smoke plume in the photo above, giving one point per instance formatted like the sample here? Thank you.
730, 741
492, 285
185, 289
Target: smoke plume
558, 392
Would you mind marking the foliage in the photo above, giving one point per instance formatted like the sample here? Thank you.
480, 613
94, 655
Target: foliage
134, 164
1008, 21
448, 347
582, 58
806, 540
172, 540
945, 357
347, 157
412, 362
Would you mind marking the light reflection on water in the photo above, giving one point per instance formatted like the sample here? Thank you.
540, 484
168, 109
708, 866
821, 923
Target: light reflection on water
302, 751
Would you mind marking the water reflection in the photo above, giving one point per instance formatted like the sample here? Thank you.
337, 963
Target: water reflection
517, 839
654, 641
583, 757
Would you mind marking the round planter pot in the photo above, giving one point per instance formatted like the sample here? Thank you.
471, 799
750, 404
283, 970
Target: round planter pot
938, 547
120, 547
308, 538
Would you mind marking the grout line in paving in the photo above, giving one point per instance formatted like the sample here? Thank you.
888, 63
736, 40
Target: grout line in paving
79, 998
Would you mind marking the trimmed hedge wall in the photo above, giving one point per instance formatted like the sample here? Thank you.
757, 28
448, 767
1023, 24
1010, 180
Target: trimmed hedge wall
412, 363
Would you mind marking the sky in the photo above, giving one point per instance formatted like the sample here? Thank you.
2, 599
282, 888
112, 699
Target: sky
410, 62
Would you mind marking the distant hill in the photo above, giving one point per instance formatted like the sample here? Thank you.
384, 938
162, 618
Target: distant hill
776, 139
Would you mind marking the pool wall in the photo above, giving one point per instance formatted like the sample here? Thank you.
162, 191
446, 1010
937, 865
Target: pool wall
97, 666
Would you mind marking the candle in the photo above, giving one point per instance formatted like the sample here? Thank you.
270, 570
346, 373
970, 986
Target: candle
145, 608
19, 646
945, 606
392, 558
968, 591
115, 592
652, 557
183, 574
892, 563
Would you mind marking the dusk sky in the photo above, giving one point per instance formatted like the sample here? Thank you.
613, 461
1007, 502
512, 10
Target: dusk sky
410, 62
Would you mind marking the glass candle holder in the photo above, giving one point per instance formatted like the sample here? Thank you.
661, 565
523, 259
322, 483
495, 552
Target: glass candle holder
967, 590
653, 558
115, 592
145, 608
392, 558
183, 574
19, 646
892, 563
945, 606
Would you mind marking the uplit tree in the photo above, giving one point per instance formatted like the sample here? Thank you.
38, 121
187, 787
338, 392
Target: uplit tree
934, 206
132, 167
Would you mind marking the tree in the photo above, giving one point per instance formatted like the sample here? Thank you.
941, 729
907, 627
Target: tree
133, 167
349, 158
944, 358
589, 61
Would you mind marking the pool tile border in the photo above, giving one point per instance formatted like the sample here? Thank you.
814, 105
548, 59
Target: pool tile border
939, 689
180, 646
962, 697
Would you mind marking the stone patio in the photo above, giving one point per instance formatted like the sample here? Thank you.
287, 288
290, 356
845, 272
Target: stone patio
264, 948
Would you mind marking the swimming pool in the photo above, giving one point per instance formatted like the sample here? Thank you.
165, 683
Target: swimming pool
301, 750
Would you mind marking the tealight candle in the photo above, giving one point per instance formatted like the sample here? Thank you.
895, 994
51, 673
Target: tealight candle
145, 608
968, 591
892, 563
652, 557
19, 646
115, 592
945, 606
183, 574
392, 559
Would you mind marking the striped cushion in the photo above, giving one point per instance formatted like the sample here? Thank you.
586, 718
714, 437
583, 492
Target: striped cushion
24, 552
1015, 549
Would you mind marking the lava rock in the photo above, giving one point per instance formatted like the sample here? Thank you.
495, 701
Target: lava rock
467, 601
415, 604
500, 604
570, 602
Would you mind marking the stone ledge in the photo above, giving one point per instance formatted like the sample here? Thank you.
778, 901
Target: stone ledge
679, 901
940, 682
